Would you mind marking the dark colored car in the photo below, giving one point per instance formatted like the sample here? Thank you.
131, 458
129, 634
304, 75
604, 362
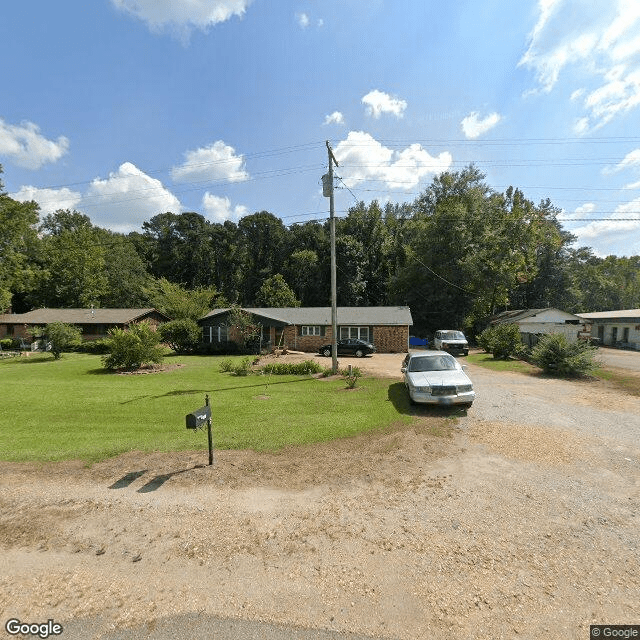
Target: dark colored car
350, 347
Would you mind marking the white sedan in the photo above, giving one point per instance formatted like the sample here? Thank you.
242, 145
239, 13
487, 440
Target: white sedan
437, 377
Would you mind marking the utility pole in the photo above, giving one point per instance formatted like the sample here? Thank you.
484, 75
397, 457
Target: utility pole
327, 190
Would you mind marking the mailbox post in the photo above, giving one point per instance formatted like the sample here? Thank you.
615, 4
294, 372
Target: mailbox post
197, 419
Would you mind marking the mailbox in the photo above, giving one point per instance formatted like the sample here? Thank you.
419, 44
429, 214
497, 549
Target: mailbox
199, 418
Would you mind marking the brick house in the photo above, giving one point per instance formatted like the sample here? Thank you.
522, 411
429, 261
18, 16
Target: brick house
308, 328
94, 323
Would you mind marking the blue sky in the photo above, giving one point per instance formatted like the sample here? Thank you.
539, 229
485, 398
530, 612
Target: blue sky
123, 109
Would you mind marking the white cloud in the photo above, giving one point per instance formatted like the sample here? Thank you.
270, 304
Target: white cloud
363, 158
320, 23
126, 199
335, 118
219, 209
215, 162
379, 102
631, 160
27, 147
183, 15
596, 39
473, 126
617, 227
50, 200
580, 212
303, 20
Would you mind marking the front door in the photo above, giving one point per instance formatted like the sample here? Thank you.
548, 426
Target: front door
614, 336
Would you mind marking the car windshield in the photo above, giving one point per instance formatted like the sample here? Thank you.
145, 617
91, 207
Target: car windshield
452, 335
433, 363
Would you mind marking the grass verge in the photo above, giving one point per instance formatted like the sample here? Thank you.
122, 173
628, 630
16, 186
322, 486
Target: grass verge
625, 381
71, 409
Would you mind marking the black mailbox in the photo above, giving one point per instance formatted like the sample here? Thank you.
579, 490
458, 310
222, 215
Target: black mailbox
199, 418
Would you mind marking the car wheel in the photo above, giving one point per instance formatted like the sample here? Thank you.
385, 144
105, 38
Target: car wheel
359, 353
326, 352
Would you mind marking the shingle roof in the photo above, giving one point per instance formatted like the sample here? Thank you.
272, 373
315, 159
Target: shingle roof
77, 316
623, 314
322, 315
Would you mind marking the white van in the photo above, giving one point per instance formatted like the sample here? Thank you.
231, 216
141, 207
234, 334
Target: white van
452, 341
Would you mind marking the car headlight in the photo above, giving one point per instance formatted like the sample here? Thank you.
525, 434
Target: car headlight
465, 388
423, 389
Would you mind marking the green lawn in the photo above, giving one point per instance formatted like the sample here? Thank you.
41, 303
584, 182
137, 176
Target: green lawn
71, 409
486, 360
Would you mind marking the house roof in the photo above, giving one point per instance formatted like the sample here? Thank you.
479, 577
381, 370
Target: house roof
78, 316
633, 315
322, 315
515, 315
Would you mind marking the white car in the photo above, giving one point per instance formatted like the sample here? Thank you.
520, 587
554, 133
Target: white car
451, 341
436, 377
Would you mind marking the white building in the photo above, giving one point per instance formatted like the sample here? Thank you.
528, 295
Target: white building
615, 328
536, 322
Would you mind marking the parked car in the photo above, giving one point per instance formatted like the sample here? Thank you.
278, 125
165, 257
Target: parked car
436, 377
350, 347
451, 341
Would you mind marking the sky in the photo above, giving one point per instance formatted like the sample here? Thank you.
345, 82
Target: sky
124, 109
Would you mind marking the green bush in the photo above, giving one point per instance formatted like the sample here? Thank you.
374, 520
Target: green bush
183, 336
502, 340
96, 347
6, 343
293, 368
556, 355
242, 368
226, 365
134, 347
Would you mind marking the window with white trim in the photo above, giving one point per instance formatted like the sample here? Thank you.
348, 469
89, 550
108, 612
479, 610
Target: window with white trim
215, 334
355, 333
311, 330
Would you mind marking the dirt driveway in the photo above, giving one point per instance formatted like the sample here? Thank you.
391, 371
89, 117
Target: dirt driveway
517, 519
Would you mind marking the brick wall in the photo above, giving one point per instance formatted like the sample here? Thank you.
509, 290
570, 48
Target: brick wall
387, 339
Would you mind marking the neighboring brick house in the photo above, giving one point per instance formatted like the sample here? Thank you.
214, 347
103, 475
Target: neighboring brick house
94, 323
308, 328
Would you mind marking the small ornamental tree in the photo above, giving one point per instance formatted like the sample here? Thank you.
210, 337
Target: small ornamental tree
133, 348
182, 336
556, 355
502, 340
247, 330
60, 337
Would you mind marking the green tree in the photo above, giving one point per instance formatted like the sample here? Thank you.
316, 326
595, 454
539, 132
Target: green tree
18, 246
72, 261
132, 348
180, 303
61, 337
275, 292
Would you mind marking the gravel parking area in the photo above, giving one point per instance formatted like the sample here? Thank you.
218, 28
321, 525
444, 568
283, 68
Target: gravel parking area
518, 518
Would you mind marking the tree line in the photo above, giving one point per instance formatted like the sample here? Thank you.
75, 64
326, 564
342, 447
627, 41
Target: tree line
457, 254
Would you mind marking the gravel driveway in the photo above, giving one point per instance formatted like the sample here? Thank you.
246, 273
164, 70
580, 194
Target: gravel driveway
518, 518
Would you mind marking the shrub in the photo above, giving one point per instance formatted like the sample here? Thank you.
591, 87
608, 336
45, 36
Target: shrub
183, 336
96, 347
242, 368
502, 340
134, 347
6, 343
293, 368
351, 378
556, 355
226, 365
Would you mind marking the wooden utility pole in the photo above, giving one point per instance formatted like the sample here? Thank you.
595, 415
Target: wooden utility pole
334, 295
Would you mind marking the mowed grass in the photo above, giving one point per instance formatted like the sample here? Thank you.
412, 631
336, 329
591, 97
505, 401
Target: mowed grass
71, 409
